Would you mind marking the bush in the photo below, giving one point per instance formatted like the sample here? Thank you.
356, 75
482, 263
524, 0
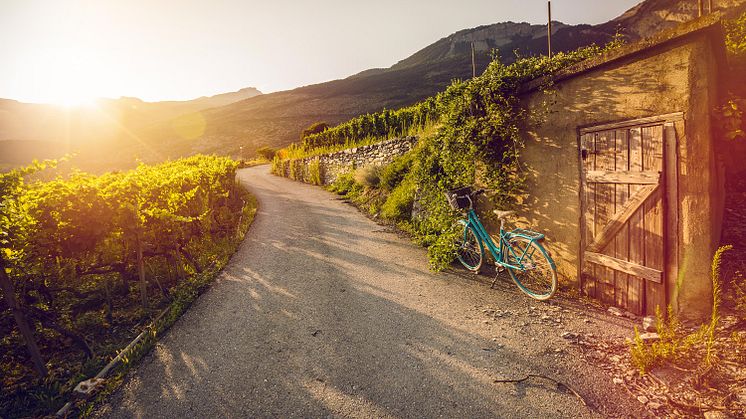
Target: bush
392, 174
315, 175
345, 184
398, 205
368, 176
266, 152
315, 128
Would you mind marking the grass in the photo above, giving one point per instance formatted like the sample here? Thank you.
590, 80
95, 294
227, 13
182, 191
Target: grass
673, 343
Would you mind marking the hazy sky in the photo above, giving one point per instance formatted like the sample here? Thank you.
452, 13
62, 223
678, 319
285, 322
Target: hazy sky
67, 50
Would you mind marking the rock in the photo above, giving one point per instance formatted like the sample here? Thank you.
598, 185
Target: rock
617, 380
716, 414
586, 320
649, 337
642, 399
88, 386
568, 335
648, 323
654, 405
545, 317
616, 311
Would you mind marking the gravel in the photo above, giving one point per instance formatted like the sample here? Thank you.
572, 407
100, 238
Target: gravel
321, 312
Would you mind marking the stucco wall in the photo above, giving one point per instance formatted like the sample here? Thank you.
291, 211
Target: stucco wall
678, 77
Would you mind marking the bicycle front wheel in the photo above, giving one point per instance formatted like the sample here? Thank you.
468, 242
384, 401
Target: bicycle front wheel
537, 275
469, 249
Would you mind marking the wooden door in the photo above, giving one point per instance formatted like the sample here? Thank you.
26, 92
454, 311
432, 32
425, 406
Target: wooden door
622, 198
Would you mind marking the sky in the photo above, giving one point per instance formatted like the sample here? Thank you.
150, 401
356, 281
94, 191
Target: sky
70, 51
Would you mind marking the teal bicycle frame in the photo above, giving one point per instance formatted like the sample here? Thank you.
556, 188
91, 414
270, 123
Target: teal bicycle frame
498, 253
519, 251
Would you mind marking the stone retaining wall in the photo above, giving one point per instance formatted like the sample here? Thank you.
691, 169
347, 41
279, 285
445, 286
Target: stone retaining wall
325, 168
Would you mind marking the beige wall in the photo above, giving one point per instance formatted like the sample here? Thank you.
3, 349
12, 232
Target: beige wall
663, 80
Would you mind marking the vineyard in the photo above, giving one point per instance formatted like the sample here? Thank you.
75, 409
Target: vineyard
86, 261
468, 134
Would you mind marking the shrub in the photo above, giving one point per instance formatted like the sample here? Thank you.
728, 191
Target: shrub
368, 176
315, 128
392, 174
266, 152
398, 205
315, 175
345, 184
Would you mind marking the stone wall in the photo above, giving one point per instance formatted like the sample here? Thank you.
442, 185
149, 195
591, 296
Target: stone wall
325, 168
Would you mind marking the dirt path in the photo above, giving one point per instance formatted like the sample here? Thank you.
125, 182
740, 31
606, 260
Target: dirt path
324, 313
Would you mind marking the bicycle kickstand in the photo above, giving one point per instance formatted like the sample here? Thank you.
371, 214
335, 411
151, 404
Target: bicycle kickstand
497, 273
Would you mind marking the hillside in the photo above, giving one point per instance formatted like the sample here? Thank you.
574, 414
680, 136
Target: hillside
276, 119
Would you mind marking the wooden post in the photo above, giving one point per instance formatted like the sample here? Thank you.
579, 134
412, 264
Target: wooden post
549, 29
21, 322
709, 6
700, 8
141, 274
473, 62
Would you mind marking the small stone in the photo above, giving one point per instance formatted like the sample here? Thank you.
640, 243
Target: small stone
617, 380
716, 414
654, 405
616, 311
486, 322
648, 323
586, 320
568, 335
545, 317
649, 337
642, 399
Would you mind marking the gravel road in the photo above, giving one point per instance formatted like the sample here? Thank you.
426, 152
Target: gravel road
322, 312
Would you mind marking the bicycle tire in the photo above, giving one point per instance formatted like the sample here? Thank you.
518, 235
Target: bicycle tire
469, 249
538, 278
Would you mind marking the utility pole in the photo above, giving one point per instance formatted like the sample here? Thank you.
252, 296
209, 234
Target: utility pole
473, 62
549, 29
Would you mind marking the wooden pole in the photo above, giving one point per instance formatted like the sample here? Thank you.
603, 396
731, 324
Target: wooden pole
473, 62
549, 29
21, 322
700, 8
709, 6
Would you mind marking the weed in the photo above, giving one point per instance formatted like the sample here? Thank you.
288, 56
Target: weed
368, 176
315, 174
398, 205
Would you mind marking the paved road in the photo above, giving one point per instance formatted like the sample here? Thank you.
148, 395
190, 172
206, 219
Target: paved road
322, 312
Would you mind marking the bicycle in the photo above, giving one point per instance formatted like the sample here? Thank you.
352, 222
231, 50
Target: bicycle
519, 251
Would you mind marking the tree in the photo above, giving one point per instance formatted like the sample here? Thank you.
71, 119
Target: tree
314, 129
266, 152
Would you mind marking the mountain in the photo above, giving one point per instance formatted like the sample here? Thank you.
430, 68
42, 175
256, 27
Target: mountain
30, 130
276, 119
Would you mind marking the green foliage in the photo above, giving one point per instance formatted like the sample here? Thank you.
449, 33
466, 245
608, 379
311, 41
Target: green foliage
381, 125
717, 261
393, 173
266, 152
69, 246
472, 124
345, 184
314, 129
731, 118
315, 175
735, 36
398, 205
368, 176
673, 344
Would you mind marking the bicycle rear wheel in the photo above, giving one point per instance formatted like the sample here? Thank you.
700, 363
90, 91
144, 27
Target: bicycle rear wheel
537, 276
469, 249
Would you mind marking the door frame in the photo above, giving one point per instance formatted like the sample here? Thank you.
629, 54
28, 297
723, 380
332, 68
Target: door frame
673, 129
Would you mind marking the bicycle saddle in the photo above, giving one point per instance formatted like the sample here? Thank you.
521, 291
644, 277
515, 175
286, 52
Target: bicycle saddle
503, 214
